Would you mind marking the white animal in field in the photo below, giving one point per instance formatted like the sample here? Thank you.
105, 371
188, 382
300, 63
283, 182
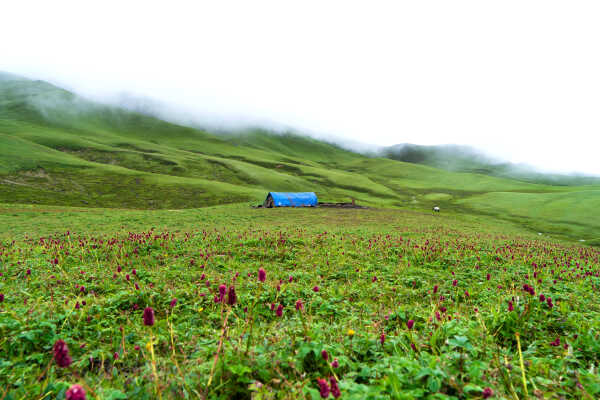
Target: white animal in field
436, 209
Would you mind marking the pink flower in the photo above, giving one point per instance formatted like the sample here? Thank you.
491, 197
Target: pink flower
75, 392
410, 323
454, 282
316, 289
279, 311
222, 291
61, 354
323, 388
487, 393
335, 363
148, 316
231, 296
335, 389
173, 302
262, 274
324, 355
299, 305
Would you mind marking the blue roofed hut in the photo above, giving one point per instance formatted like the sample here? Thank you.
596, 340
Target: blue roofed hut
292, 199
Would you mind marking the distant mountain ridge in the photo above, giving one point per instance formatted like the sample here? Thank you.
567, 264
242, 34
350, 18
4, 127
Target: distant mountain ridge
458, 158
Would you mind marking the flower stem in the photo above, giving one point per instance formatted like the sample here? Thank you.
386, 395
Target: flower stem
522, 365
154, 365
212, 370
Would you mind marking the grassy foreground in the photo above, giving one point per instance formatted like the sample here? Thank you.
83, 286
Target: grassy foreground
366, 304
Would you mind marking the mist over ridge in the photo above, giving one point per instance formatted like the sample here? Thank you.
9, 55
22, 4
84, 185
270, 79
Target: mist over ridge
52, 101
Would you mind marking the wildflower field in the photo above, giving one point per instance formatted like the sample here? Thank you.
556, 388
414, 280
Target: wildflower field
234, 303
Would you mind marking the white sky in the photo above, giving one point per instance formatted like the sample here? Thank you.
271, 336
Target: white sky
520, 79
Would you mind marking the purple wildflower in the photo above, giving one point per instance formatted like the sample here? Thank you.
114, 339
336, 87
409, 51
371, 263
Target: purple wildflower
323, 388
335, 389
231, 296
222, 291
75, 392
61, 354
148, 316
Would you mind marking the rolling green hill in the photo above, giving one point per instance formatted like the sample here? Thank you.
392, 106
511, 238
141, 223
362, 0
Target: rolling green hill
57, 148
457, 158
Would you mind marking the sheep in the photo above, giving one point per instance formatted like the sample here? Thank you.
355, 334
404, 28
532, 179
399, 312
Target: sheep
436, 209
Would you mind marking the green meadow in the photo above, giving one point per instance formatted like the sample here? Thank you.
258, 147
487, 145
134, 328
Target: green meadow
360, 304
133, 265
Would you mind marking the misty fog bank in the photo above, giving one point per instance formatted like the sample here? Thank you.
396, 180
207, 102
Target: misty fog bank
52, 100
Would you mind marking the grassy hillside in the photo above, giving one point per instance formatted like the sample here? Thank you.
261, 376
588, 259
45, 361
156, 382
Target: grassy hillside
467, 159
570, 213
60, 149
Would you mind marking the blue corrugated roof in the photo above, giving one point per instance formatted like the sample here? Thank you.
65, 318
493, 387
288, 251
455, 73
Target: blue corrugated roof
296, 199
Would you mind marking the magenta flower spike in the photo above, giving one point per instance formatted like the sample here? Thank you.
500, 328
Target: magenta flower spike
148, 316
75, 392
61, 354
335, 389
323, 388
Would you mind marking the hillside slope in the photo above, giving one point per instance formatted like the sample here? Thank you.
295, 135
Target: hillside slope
58, 148
457, 158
